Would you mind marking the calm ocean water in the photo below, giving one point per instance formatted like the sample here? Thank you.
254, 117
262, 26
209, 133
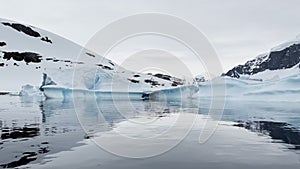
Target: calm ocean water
40, 133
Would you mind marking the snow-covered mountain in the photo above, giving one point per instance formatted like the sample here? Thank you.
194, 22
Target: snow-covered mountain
282, 60
26, 52
272, 76
34, 56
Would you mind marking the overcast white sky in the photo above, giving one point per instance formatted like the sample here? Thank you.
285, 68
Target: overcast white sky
238, 29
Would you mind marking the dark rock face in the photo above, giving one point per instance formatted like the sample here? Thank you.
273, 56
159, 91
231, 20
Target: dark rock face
24, 56
152, 82
133, 81
22, 28
2, 44
3, 93
89, 54
46, 39
107, 67
276, 60
200, 79
100, 65
162, 76
286, 58
110, 62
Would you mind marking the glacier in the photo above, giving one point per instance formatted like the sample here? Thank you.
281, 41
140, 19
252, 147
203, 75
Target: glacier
283, 87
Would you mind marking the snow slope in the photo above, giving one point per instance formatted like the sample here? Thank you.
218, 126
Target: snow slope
17, 73
286, 44
33, 56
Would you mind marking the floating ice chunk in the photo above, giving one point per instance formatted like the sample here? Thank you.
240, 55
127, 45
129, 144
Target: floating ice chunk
29, 90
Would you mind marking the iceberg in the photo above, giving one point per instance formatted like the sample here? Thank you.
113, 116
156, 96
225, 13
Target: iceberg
115, 83
67, 93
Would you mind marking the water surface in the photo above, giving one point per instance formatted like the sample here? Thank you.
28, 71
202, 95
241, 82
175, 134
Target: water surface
249, 135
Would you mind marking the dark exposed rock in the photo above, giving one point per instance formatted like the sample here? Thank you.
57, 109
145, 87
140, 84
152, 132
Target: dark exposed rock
148, 81
4, 93
26, 56
89, 54
104, 67
2, 44
49, 58
136, 76
174, 84
162, 76
152, 82
133, 81
200, 79
2, 64
79, 63
232, 73
46, 39
45, 142
22, 28
88, 136
110, 62
276, 60
107, 67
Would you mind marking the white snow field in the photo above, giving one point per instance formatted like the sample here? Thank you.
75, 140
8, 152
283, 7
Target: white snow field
33, 56
37, 57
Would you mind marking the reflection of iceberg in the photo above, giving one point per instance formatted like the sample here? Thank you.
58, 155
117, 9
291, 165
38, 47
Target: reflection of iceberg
103, 115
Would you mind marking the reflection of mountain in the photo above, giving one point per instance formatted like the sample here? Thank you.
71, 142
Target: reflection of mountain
27, 131
276, 130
